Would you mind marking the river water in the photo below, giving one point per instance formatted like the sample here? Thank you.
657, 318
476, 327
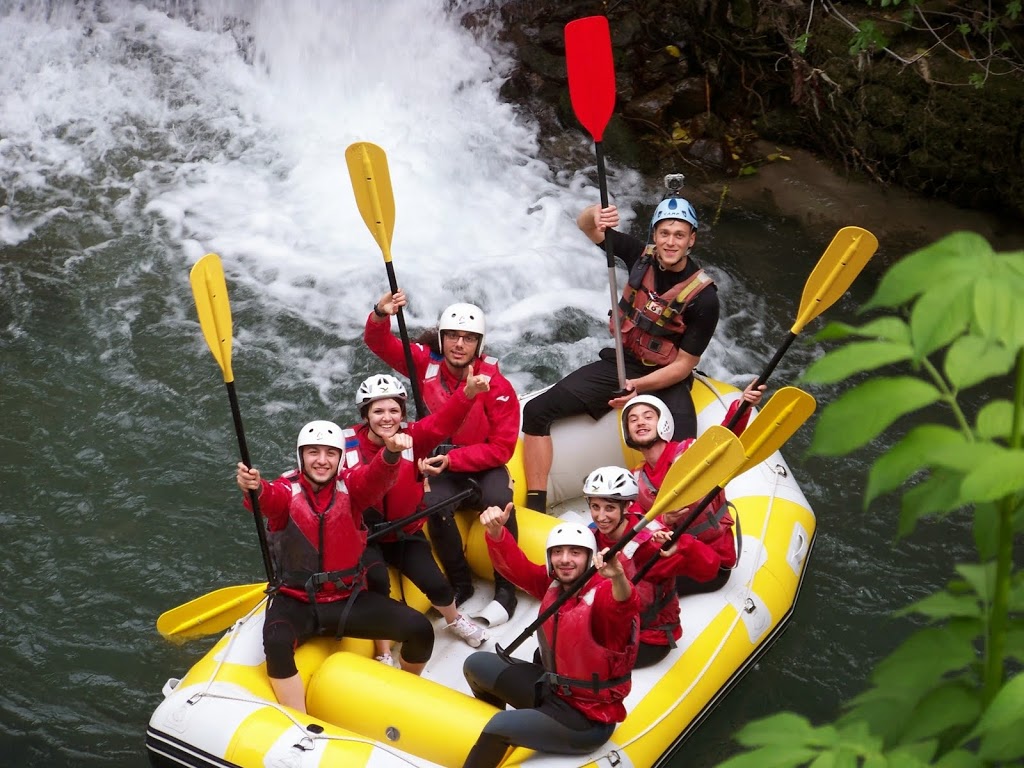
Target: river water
134, 138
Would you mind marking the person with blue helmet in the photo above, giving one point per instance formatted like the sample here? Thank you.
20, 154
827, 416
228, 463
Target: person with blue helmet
668, 311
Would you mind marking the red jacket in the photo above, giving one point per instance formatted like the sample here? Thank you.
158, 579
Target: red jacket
714, 525
659, 604
610, 649
406, 495
294, 520
494, 414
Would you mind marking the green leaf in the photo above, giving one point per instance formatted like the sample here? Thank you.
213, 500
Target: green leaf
971, 360
774, 756
857, 357
925, 657
965, 457
959, 758
946, 261
940, 315
1006, 709
981, 577
1015, 644
919, 753
1001, 476
786, 728
1016, 600
882, 328
856, 736
1002, 724
997, 313
908, 456
944, 708
860, 414
944, 605
937, 494
887, 328
994, 419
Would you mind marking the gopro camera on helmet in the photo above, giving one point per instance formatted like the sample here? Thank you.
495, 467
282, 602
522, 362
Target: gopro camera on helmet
674, 182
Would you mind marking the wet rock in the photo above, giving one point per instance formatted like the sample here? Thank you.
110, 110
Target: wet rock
741, 61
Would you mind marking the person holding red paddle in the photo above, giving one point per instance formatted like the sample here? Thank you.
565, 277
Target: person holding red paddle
668, 311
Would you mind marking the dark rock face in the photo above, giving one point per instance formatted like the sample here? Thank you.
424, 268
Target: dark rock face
697, 81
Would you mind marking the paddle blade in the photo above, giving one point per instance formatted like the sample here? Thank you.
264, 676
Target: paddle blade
774, 424
211, 296
371, 183
704, 466
588, 62
835, 271
212, 613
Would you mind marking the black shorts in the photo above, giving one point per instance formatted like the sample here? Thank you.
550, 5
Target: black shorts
588, 390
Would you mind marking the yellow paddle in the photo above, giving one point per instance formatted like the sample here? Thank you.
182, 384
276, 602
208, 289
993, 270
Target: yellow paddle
371, 183
838, 267
774, 424
713, 456
211, 295
213, 612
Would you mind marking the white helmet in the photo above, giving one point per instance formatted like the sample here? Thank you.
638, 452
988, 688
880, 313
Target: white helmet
666, 424
569, 535
319, 433
611, 483
380, 387
462, 317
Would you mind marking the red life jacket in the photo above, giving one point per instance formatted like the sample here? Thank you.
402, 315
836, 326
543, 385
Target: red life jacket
590, 677
713, 523
652, 324
659, 603
436, 392
405, 497
317, 555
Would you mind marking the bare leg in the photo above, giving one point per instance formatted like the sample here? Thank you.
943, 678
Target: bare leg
382, 647
450, 612
538, 454
290, 691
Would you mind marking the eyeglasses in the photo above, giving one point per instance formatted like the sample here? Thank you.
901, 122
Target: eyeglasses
468, 338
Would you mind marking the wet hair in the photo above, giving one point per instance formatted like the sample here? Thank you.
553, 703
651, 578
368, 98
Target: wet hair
428, 338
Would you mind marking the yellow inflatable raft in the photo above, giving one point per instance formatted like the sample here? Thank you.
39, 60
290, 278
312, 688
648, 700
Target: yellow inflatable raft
363, 713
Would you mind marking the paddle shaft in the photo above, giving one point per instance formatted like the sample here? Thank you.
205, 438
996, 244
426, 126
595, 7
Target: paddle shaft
762, 379
613, 288
254, 500
421, 407
465, 494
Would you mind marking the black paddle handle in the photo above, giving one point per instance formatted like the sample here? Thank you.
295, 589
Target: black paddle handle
620, 365
261, 531
455, 499
421, 409
677, 531
744, 405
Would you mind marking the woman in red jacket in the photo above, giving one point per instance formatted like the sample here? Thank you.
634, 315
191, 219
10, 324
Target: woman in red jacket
609, 492
382, 401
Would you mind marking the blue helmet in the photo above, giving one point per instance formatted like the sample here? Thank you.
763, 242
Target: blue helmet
674, 208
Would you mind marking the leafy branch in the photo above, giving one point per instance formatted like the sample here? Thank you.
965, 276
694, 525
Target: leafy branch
948, 321
975, 33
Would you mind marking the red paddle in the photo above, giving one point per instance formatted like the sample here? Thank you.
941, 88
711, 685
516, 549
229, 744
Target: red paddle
588, 61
